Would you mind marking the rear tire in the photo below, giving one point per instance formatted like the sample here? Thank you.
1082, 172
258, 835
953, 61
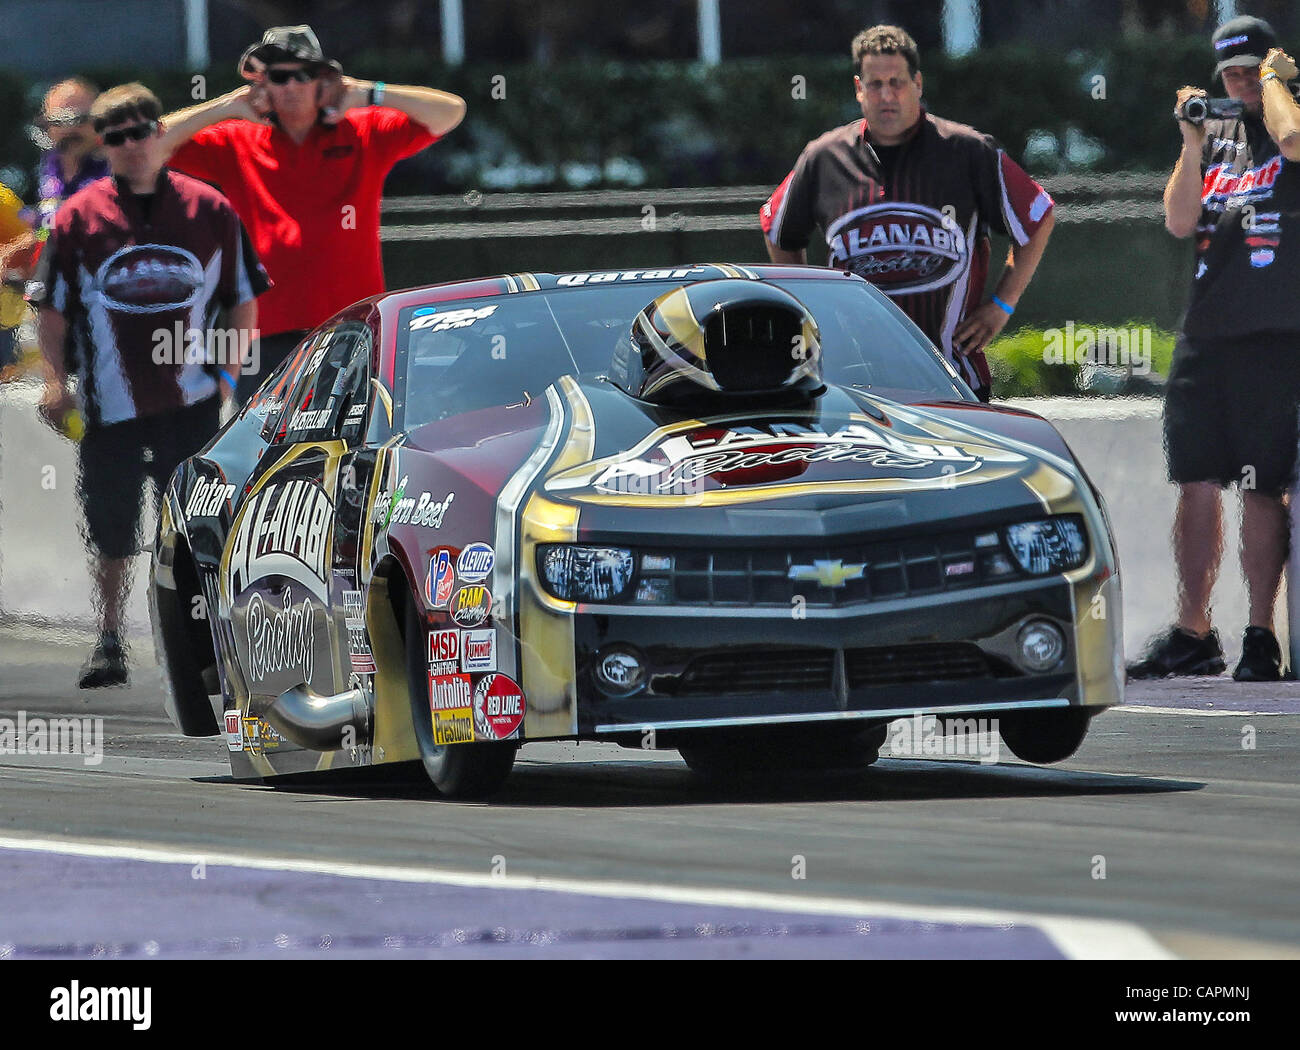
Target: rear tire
1043, 737
457, 770
778, 750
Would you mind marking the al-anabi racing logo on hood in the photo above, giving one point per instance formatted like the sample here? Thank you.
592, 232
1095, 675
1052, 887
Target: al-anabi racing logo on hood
901, 247
700, 459
150, 279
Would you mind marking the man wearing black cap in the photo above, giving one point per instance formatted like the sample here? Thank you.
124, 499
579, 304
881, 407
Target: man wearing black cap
302, 152
1234, 386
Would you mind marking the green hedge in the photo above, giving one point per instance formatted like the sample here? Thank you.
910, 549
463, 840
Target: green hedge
740, 123
1021, 366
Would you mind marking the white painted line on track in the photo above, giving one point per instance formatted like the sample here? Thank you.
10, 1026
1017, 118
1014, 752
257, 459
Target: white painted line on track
1075, 937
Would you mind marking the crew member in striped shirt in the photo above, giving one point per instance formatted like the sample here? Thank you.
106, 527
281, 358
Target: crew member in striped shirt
906, 200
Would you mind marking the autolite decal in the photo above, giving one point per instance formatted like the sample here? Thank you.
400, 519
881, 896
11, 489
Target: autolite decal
498, 707
449, 691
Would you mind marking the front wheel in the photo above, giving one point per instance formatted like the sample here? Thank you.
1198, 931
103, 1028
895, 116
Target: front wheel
1043, 737
457, 770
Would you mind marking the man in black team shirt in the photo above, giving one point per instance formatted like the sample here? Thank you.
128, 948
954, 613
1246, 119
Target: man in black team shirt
906, 200
132, 260
1234, 385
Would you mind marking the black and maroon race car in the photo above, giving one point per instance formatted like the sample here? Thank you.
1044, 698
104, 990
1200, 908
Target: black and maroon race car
748, 513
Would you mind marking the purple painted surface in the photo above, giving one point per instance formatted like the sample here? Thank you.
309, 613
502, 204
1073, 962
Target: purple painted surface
64, 907
1217, 694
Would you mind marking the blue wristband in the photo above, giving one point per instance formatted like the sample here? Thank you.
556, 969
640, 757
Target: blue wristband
227, 377
1008, 309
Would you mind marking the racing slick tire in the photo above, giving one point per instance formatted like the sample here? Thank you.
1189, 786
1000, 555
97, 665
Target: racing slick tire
1043, 737
467, 771
784, 749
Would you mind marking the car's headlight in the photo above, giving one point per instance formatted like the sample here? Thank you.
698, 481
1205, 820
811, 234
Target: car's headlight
585, 574
1049, 545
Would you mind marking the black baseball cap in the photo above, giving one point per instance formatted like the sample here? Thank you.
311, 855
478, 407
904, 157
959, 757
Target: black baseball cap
288, 44
1242, 41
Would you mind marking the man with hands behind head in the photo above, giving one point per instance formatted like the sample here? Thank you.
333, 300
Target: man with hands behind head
302, 151
1234, 384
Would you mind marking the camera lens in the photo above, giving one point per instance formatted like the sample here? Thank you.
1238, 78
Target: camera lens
1195, 110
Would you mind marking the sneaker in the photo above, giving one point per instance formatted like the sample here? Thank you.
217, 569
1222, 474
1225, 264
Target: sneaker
1261, 657
1179, 652
107, 664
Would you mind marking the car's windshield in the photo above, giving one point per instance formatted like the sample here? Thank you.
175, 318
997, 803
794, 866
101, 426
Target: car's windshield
477, 353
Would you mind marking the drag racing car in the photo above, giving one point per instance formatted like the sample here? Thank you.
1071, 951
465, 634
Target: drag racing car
749, 513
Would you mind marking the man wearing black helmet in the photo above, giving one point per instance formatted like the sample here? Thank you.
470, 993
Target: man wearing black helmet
1234, 385
302, 152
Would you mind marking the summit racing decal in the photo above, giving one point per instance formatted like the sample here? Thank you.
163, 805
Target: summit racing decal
692, 461
149, 279
903, 248
443, 321
284, 531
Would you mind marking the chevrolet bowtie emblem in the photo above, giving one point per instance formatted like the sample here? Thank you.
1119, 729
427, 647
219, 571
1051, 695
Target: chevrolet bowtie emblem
828, 573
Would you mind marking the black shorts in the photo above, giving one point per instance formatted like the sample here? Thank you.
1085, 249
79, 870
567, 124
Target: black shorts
113, 462
1230, 411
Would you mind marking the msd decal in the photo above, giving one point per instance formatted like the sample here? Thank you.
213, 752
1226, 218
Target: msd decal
902, 248
444, 652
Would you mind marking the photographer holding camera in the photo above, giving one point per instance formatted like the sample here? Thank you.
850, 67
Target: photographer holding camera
1234, 385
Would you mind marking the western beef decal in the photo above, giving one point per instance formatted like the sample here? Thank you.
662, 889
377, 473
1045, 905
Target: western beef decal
903, 248
284, 531
690, 462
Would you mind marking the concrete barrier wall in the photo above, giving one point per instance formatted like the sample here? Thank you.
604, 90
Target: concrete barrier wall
44, 576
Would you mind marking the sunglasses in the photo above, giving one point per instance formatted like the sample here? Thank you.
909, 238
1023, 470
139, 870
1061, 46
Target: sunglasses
283, 76
63, 120
136, 133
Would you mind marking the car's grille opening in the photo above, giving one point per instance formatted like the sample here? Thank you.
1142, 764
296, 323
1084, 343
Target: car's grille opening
900, 664
763, 671
827, 577
780, 670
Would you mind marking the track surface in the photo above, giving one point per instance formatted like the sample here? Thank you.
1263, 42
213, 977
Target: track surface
1196, 834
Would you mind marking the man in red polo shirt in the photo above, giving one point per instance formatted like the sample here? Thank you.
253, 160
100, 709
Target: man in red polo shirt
302, 152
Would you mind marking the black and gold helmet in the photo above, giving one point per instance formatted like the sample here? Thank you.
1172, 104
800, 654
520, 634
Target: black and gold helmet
720, 341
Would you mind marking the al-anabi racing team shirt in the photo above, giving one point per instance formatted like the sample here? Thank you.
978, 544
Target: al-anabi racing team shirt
140, 289
918, 229
1247, 241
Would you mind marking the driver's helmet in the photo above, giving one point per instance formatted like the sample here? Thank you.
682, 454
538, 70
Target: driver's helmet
720, 339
